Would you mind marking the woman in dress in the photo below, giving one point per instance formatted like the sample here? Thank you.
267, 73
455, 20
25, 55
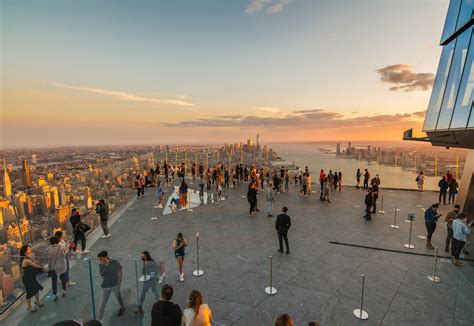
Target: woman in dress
179, 245
30, 270
198, 313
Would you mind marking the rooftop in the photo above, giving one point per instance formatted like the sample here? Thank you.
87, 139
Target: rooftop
318, 280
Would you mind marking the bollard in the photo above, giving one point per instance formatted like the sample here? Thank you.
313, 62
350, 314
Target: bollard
198, 272
394, 225
433, 278
270, 290
408, 245
381, 211
360, 313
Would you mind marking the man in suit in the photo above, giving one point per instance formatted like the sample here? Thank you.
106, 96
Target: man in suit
282, 225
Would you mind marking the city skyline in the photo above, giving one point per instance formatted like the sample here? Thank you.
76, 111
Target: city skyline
286, 69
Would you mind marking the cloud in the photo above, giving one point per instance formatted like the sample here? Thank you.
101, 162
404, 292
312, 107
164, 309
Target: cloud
256, 6
270, 109
269, 6
124, 96
277, 7
302, 119
405, 78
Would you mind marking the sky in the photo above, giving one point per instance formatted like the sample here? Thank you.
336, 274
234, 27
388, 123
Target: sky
141, 72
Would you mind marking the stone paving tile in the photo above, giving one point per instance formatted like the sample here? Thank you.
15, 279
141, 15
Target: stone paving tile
317, 281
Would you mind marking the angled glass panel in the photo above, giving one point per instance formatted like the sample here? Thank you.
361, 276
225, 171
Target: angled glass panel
451, 19
439, 87
454, 79
466, 91
465, 13
471, 120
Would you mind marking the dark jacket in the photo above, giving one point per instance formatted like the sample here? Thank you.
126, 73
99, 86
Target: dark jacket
282, 223
166, 313
103, 211
252, 195
443, 185
368, 199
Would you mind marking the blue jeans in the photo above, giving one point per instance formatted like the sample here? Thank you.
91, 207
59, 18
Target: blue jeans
270, 205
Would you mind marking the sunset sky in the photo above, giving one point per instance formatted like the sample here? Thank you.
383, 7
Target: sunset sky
138, 71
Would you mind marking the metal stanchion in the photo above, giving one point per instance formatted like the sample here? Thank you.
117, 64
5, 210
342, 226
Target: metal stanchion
381, 211
270, 290
433, 278
360, 313
198, 272
394, 225
411, 218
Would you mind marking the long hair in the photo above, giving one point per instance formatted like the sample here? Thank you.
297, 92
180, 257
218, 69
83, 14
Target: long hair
23, 250
147, 255
195, 300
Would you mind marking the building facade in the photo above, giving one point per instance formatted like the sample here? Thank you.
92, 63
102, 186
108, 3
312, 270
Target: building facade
449, 119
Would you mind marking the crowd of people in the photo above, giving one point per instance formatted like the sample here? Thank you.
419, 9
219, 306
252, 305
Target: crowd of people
270, 181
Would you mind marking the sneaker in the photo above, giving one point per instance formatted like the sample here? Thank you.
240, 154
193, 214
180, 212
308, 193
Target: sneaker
104, 236
287, 252
108, 235
121, 311
181, 277
139, 310
279, 250
161, 278
71, 283
85, 252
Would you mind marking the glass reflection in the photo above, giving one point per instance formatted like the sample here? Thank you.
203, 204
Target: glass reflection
466, 92
439, 87
451, 19
465, 13
454, 79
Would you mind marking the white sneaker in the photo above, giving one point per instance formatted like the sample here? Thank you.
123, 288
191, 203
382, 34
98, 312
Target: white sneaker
85, 252
104, 236
181, 277
160, 206
108, 235
161, 278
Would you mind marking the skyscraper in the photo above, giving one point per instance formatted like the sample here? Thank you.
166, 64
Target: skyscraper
26, 175
7, 185
34, 160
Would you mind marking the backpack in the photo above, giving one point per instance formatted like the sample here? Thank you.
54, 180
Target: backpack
82, 227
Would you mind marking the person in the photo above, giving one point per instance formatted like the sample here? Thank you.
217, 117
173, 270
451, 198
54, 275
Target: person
366, 179
326, 191
340, 181
160, 195
142, 184
368, 204
461, 228
304, 185
102, 208
284, 320
57, 266
450, 217
282, 225
183, 194
358, 175
149, 271
313, 323
198, 313
420, 180
431, 217
375, 195
179, 245
138, 186
453, 190
62, 243
226, 178
270, 195
219, 191
252, 198
79, 230
30, 269
322, 176
165, 312
443, 189
111, 272
287, 181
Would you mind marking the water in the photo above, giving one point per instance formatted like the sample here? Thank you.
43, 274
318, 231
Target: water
310, 155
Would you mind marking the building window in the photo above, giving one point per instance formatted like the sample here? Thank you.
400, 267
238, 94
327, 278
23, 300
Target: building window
454, 79
466, 92
439, 87
465, 13
451, 19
